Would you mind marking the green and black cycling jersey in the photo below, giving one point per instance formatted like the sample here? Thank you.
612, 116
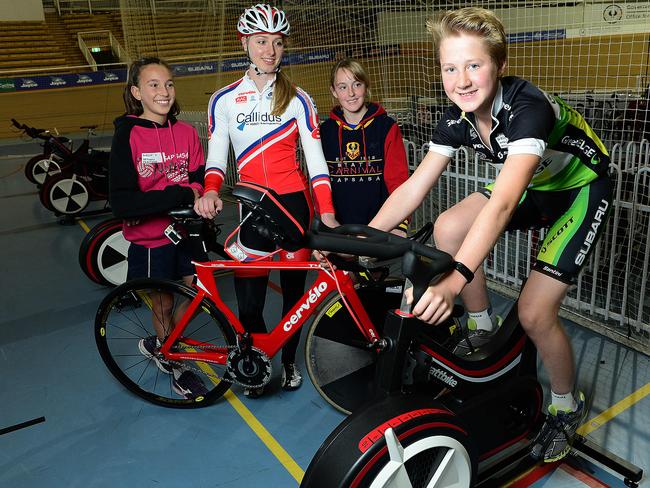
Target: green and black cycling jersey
526, 120
570, 193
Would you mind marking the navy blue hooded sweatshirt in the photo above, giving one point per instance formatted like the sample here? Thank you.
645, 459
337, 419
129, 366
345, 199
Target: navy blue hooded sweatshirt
366, 162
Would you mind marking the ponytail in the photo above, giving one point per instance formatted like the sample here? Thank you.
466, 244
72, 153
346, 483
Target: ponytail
282, 94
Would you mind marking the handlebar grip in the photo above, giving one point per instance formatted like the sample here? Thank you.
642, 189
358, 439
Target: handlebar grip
183, 213
351, 245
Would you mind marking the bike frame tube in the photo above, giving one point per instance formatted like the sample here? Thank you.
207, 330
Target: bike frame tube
326, 283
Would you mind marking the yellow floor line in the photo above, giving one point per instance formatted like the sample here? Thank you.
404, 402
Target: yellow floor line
256, 426
600, 420
83, 225
264, 435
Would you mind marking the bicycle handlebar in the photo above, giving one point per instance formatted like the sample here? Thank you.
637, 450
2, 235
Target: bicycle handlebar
32, 132
367, 241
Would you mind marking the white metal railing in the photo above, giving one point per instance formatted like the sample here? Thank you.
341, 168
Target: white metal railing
85, 6
612, 293
613, 288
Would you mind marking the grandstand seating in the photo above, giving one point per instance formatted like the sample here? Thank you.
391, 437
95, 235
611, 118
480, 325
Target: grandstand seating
28, 45
189, 34
51, 45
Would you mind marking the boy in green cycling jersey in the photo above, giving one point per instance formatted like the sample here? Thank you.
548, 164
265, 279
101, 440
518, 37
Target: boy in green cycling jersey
553, 174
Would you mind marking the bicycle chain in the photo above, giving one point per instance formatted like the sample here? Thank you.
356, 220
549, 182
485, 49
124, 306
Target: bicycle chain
233, 381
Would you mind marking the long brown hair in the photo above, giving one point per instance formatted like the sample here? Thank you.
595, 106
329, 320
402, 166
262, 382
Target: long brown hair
133, 105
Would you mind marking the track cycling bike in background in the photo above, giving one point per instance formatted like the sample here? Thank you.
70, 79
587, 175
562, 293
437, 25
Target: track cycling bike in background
55, 149
59, 157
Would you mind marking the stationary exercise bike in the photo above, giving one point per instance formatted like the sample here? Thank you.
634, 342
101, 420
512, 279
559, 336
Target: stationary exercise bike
439, 420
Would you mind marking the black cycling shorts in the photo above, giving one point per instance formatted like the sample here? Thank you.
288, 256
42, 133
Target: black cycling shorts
170, 261
575, 220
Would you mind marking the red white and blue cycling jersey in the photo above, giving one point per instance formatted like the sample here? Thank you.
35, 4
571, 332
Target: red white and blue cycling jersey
265, 144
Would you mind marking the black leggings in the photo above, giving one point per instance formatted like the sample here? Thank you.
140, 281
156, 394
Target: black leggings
251, 291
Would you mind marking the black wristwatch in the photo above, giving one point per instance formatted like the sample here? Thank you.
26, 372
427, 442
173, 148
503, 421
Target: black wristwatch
464, 270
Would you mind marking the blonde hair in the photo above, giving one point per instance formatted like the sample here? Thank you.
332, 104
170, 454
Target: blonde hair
283, 93
471, 20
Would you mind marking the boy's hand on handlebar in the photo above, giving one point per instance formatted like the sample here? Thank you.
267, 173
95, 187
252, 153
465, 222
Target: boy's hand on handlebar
437, 303
209, 205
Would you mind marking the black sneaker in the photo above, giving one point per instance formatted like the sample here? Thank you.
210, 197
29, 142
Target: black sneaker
476, 338
149, 347
187, 384
291, 377
554, 440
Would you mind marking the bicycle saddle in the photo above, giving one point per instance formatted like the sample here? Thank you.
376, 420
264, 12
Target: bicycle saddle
273, 219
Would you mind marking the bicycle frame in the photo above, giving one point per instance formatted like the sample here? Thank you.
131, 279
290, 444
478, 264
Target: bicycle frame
271, 342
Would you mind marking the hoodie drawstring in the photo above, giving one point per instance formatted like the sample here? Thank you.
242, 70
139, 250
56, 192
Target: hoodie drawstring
365, 153
171, 133
340, 141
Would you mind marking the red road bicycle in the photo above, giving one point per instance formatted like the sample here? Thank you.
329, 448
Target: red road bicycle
206, 337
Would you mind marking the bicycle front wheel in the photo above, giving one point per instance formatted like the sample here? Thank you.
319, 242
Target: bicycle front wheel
401, 441
340, 363
125, 323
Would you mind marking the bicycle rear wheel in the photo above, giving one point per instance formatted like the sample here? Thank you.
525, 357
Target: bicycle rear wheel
400, 442
339, 362
103, 253
125, 318
66, 195
40, 168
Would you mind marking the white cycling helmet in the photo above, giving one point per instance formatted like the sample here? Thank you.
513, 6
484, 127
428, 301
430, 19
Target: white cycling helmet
263, 18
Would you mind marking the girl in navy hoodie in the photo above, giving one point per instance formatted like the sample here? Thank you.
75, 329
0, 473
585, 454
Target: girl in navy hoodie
156, 164
363, 147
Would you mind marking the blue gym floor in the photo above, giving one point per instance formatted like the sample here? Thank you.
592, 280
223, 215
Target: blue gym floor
96, 434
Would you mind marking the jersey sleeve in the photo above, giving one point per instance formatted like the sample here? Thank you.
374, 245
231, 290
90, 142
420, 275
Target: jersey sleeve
218, 143
531, 121
446, 138
319, 178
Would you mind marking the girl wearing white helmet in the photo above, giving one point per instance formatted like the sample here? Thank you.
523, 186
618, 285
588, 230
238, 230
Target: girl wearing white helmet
263, 115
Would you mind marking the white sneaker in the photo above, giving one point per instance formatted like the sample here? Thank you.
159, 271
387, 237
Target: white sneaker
291, 377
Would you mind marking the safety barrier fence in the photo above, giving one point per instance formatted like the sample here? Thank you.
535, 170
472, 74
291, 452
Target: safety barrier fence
612, 293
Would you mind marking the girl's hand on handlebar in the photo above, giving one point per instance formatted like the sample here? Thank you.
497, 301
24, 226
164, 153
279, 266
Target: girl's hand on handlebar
209, 205
329, 220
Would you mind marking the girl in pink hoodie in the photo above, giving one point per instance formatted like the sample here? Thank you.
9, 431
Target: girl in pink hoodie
156, 164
